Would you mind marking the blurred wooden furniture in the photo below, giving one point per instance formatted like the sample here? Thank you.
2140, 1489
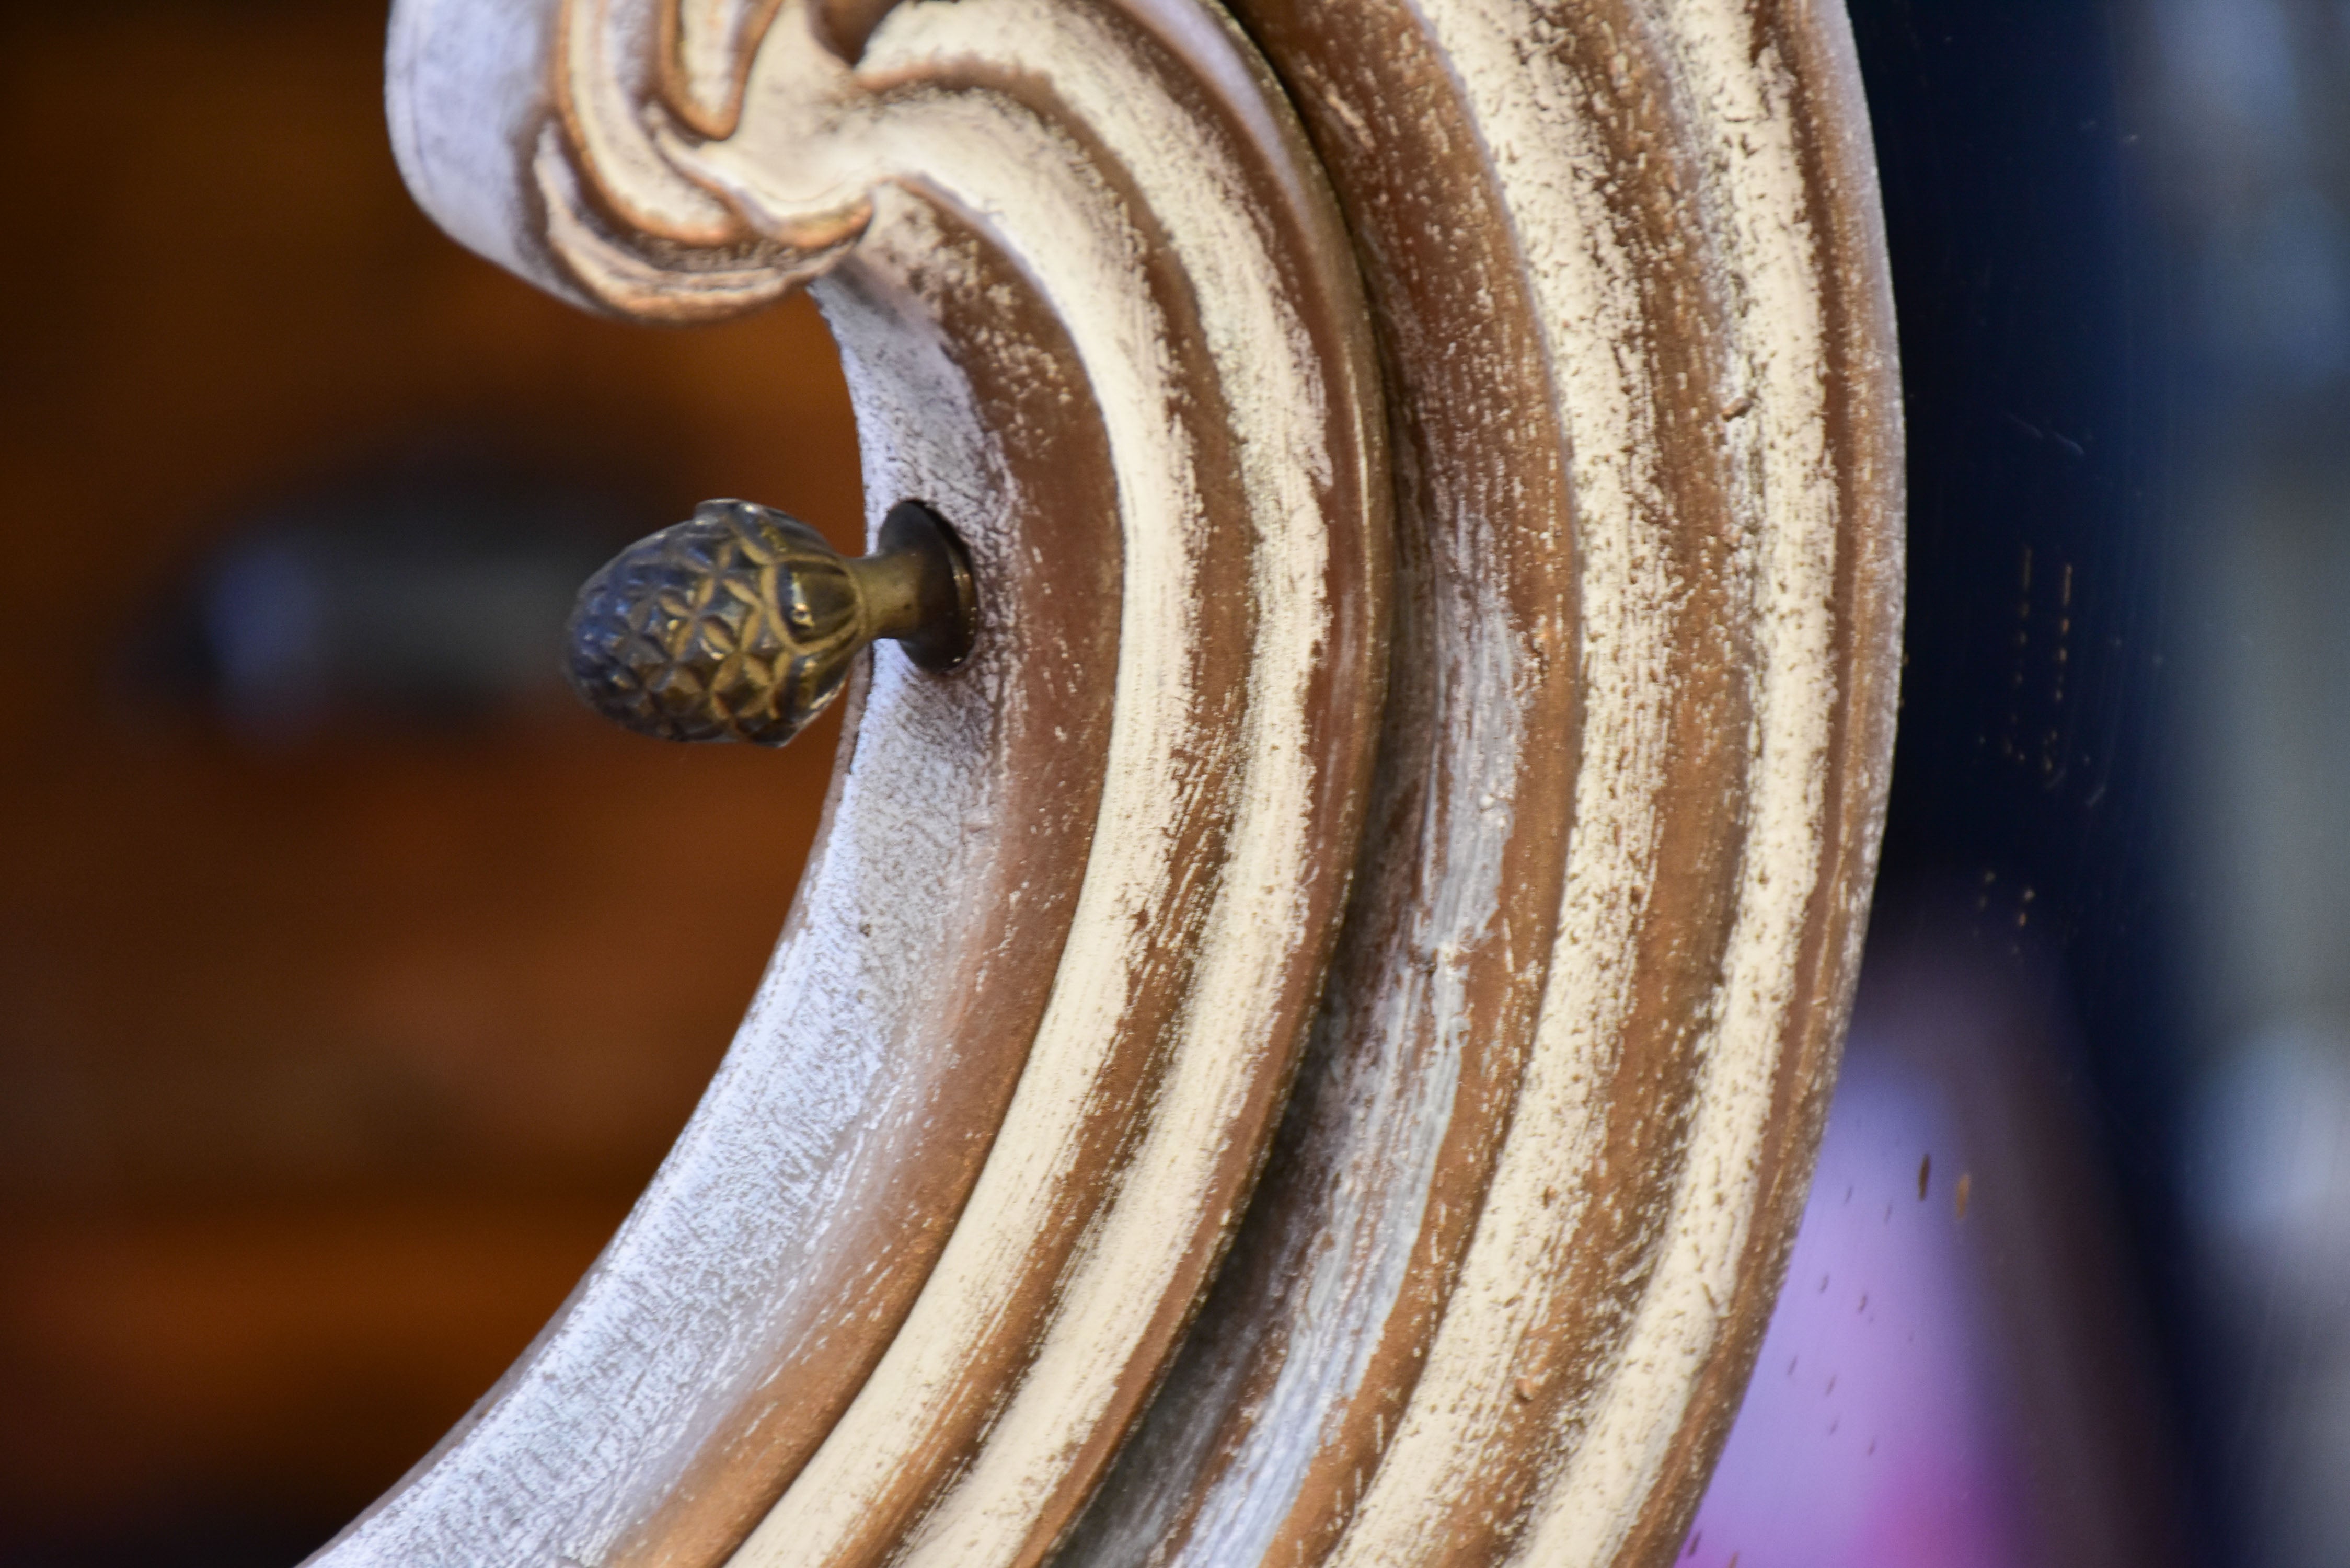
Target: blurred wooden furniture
1310, 1047
327, 1067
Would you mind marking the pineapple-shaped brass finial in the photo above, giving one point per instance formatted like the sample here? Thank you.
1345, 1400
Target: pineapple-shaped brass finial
741, 625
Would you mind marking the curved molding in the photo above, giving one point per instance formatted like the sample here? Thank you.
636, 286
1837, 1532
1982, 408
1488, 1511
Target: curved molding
1501, 1286
918, 1284
926, 1246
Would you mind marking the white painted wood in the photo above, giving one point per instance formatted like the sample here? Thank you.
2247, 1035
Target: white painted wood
927, 1249
1528, 1215
1215, 335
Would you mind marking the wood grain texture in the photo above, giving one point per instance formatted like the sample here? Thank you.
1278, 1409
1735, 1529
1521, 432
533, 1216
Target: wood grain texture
909, 1285
915, 1265
1498, 1292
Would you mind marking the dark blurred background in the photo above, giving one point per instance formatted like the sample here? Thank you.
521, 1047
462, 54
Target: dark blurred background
352, 981
2104, 1020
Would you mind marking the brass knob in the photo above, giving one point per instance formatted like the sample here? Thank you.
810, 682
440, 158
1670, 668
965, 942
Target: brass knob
742, 624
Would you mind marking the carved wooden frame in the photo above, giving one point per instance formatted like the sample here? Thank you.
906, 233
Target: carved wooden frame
1433, 470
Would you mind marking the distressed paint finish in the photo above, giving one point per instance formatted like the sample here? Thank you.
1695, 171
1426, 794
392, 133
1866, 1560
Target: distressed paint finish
1503, 1282
925, 1260
930, 1239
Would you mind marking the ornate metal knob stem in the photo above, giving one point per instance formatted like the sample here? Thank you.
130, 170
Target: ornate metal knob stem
742, 623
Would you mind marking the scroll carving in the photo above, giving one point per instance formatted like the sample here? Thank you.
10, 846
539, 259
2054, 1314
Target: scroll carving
1563, 325
1522, 1228
913, 1268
